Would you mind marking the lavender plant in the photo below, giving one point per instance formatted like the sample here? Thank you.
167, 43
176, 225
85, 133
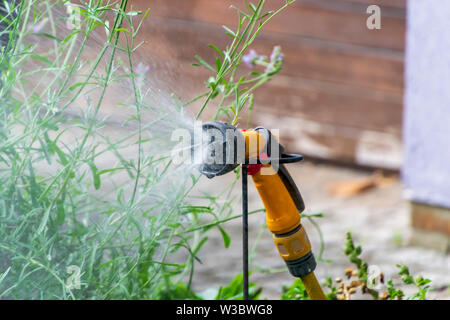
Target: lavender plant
93, 208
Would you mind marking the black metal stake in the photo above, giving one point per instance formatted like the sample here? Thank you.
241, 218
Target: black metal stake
245, 229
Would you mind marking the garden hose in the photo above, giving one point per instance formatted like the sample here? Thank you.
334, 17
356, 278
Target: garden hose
312, 287
262, 157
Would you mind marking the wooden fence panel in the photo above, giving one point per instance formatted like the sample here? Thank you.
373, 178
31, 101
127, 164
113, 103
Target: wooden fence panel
341, 90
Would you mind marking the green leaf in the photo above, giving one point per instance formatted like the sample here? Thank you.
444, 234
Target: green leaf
110, 170
216, 49
403, 269
70, 36
313, 215
205, 64
95, 175
60, 213
42, 34
78, 84
229, 31
225, 236
121, 29
197, 249
265, 15
199, 245
40, 58
61, 154
3, 276
218, 64
195, 209
296, 291
46, 148
234, 290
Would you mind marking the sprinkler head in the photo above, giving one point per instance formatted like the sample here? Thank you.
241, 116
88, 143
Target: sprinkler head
220, 148
224, 147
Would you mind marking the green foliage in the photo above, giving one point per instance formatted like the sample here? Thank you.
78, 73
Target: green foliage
233, 291
332, 294
353, 253
235, 92
420, 283
296, 291
177, 291
75, 193
55, 81
393, 292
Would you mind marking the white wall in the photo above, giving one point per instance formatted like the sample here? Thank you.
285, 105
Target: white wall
427, 102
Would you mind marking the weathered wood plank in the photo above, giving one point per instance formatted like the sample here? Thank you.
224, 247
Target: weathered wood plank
330, 104
430, 218
319, 101
334, 142
399, 4
326, 20
303, 58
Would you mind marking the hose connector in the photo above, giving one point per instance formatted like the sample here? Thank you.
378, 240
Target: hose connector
295, 249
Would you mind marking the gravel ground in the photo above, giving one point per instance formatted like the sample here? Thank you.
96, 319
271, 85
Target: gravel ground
378, 219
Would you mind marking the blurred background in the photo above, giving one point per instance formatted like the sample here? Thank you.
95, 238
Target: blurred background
368, 108
340, 94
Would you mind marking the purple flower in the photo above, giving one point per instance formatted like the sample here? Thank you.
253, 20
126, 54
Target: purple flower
252, 58
276, 60
249, 58
142, 69
276, 55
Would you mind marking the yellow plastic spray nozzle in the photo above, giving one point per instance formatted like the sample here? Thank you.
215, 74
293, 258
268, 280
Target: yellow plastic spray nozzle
278, 192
